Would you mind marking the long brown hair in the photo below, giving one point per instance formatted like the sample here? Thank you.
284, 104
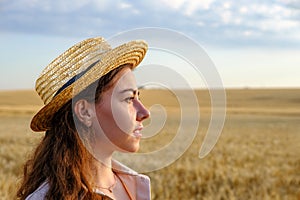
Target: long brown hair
61, 159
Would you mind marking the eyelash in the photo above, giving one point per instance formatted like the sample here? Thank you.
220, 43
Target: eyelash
129, 99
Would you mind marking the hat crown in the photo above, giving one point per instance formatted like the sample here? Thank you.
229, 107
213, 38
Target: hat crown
69, 64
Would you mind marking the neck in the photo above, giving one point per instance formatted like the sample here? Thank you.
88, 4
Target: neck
103, 175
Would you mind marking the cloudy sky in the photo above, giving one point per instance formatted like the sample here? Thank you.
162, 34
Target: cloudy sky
252, 43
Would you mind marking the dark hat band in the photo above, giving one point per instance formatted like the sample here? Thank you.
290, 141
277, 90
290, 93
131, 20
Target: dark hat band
74, 78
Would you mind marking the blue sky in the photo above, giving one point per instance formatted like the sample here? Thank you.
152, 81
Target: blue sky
252, 43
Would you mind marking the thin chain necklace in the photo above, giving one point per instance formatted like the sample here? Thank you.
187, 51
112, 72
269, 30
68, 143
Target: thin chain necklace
110, 188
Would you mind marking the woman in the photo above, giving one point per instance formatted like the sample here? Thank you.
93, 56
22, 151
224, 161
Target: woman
91, 110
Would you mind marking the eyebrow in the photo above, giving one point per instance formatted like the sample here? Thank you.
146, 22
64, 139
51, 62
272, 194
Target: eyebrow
131, 90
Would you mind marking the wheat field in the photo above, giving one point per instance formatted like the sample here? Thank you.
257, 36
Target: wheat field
256, 157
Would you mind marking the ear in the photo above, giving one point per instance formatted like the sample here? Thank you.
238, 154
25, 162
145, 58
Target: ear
84, 111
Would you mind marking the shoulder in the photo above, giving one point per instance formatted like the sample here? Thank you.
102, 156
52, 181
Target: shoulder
143, 187
39, 193
138, 183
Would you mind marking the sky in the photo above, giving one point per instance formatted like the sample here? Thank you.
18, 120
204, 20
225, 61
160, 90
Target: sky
251, 43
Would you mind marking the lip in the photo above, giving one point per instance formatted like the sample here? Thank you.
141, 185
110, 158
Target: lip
137, 132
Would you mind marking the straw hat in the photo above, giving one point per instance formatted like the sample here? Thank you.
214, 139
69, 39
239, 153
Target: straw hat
77, 68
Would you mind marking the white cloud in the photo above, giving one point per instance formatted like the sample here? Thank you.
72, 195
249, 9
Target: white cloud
194, 5
226, 16
124, 5
102, 5
271, 11
128, 7
243, 9
227, 5
174, 4
206, 19
247, 33
67, 6
188, 7
278, 25
200, 23
275, 18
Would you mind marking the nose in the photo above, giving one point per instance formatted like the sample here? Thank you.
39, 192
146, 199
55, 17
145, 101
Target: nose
142, 111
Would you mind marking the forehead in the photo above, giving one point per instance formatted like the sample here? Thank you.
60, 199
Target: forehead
125, 79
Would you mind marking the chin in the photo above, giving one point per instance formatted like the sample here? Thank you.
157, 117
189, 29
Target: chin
130, 149
135, 150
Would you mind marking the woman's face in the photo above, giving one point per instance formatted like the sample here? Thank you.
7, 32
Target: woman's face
119, 114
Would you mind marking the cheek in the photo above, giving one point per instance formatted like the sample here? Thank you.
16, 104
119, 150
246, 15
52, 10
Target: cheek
115, 117
124, 117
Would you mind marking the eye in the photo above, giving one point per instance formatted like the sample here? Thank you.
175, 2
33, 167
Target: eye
129, 99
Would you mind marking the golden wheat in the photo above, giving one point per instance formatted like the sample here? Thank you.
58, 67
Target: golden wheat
256, 157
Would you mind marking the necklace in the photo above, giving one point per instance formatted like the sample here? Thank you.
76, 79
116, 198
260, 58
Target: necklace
109, 188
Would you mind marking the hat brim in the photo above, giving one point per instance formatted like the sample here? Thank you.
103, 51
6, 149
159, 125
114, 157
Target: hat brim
131, 53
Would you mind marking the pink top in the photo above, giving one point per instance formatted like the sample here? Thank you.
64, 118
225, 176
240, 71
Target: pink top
138, 185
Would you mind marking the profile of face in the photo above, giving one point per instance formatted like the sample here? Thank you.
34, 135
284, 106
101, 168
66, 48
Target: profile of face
116, 119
